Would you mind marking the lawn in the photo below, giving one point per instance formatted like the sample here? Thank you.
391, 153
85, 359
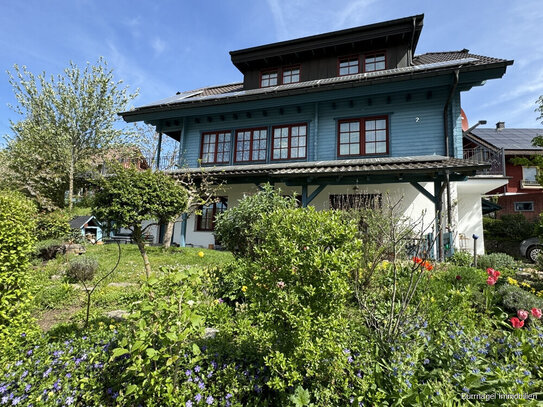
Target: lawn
58, 300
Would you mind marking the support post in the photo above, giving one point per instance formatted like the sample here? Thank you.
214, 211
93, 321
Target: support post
438, 192
183, 242
159, 147
304, 195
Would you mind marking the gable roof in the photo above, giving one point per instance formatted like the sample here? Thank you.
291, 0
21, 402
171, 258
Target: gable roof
511, 140
435, 57
79, 221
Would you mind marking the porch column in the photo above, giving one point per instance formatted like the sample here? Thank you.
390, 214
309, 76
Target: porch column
159, 147
183, 242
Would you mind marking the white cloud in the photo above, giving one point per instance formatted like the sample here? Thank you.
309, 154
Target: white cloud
158, 46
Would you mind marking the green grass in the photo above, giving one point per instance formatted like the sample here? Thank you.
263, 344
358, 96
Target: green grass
54, 295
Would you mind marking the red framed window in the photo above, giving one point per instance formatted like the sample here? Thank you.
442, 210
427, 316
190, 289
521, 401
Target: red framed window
269, 78
289, 142
374, 62
291, 75
251, 145
365, 136
205, 221
348, 65
215, 147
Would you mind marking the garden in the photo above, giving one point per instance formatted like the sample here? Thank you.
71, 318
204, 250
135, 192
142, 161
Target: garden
304, 308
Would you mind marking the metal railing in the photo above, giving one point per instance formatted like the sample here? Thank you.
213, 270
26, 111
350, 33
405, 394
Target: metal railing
169, 162
495, 158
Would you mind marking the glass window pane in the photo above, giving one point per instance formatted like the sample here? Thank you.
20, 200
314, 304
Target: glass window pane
354, 149
381, 148
370, 124
344, 149
370, 148
381, 124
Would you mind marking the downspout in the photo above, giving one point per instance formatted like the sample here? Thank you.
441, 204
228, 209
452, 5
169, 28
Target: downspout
412, 50
448, 154
316, 135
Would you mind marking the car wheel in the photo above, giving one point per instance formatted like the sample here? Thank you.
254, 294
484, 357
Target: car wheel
533, 253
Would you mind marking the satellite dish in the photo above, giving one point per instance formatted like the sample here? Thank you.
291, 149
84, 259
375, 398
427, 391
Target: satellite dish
465, 124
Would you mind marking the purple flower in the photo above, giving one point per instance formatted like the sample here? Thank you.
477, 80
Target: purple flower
69, 400
19, 363
3, 389
27, 388
350, 359
30, 351
201, 385
56, 386
229, 395
5, 399
198, 397
47, 372
197, 368
210, 400
15, 401
188, 404
188, 372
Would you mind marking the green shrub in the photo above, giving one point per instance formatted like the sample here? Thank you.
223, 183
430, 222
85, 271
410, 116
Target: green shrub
235, 227
16, 245
509, 227
53, 225
515, 298
497, 261
296, 285
461, 258
82, 269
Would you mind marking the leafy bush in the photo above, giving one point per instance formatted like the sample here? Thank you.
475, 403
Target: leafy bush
509, 227
497, 261
82, 269
16, 245
515, 298
53, 225
461, 258
235, 227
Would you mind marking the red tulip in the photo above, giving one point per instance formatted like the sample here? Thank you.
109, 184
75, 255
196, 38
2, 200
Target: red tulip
536, 312
517, 323
490, 280
417, 260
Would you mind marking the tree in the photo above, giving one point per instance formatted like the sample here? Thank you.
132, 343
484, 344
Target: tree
129, 196
65, 120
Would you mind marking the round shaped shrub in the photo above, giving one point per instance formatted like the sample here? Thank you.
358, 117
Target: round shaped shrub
82, 269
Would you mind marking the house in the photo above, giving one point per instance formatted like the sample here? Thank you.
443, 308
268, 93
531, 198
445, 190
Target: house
346, 116
522, 194
89, 226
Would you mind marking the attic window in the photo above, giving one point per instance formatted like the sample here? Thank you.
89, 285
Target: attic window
291, 74
349, 65
268, 78
374, 62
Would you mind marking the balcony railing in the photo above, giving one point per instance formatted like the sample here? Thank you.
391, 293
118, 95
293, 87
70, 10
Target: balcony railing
495, 158
168, 162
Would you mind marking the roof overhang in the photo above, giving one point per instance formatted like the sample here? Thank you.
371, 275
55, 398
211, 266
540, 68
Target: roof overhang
340, 172
406, 30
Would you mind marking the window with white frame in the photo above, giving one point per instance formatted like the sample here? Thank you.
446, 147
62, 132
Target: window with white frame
529, 175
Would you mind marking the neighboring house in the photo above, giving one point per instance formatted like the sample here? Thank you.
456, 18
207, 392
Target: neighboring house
88, 225
522, 194
345, 116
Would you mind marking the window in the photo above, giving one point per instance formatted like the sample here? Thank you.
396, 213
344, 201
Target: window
349, 65
524, 206
529, 175
251, 145
374, 62
291, 75
206, 220
268, 78
215, 147
289, 142
356, 201
363, 136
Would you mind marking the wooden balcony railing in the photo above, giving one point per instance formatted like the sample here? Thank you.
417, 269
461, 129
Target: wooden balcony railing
495, 158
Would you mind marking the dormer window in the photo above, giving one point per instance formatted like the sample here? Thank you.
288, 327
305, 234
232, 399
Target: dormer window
374, 62
268, 78
291, 75
349, 65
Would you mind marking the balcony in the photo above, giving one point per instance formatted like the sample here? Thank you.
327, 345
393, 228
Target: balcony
495, 158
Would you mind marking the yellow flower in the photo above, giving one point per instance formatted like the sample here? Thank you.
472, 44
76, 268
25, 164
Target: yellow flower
432, 299
244, 288
201, 253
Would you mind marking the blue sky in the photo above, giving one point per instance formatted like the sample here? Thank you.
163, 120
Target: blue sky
165, 46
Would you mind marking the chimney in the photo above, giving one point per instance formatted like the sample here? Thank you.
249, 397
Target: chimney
500, 125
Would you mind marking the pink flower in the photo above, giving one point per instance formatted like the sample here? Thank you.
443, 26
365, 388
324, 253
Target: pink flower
281, 284
522, 314
490, 280
493, 273
536, 312
517, 323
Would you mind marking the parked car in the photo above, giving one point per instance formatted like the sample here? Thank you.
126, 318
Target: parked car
531, 248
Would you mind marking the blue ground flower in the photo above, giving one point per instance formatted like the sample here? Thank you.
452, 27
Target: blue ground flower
210, 400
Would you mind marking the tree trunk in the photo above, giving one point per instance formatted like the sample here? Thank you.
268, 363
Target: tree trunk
137, 235
71, 185
167, 240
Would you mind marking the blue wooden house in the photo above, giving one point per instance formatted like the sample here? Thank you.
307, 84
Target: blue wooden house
340, 118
